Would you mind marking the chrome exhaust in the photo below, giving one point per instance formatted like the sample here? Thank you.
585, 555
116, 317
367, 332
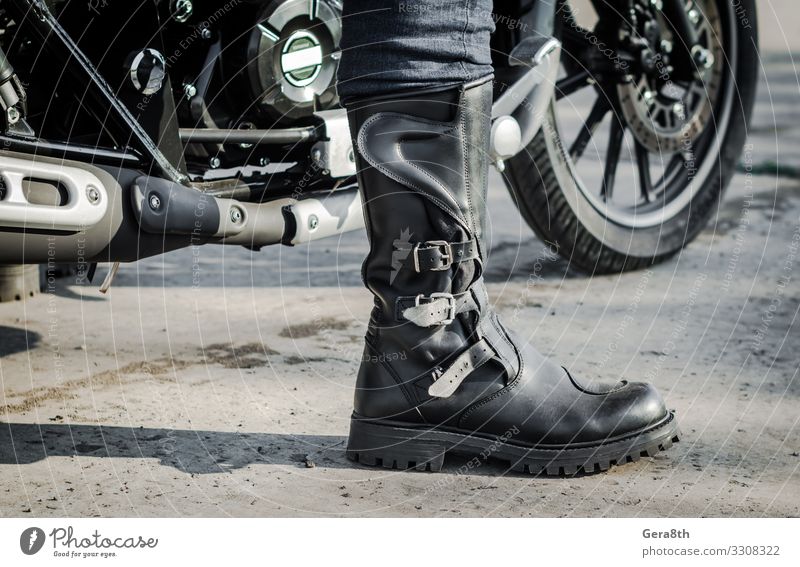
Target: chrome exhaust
39, 195
165, 207
63, 211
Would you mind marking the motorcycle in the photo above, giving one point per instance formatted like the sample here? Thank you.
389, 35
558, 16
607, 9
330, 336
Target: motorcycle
130, 129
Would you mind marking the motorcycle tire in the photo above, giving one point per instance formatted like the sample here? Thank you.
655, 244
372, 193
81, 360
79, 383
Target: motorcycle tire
598, 237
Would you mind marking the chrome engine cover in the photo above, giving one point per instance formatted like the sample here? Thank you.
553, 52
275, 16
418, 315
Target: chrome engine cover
293, 54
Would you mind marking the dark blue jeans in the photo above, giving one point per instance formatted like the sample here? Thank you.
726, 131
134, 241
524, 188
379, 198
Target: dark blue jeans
394, 45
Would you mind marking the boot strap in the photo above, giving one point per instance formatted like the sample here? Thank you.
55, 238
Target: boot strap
440, 255
465, 364
434, 309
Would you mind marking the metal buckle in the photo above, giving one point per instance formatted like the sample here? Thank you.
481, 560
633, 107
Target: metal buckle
447, 254
451, 304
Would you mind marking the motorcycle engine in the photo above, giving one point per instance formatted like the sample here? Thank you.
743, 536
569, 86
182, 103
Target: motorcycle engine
259, 65
292, 54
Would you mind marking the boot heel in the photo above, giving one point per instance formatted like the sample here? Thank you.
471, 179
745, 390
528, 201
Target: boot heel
393, 447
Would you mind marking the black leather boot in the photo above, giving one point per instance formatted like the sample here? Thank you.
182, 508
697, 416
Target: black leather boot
440, 372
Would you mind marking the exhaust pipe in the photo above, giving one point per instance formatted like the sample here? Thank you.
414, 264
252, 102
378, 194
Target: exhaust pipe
37, 195
164, 207
59, 211
315, 218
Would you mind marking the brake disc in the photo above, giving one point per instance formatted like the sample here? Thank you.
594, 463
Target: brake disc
667, 116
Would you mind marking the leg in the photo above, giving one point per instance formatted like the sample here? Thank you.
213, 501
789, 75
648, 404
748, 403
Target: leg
390, 45
440, 371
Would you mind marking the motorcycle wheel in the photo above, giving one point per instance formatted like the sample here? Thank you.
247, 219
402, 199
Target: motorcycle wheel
643, 175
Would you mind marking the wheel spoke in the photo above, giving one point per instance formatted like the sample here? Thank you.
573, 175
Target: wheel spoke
596, 115
612, 158
643, 162
571, 84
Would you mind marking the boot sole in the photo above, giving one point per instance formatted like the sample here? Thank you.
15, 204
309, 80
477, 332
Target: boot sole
392, 446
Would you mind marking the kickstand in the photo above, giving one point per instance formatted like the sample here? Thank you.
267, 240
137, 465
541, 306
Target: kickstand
106, 285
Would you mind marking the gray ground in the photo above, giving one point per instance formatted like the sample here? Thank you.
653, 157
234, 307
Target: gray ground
232, 397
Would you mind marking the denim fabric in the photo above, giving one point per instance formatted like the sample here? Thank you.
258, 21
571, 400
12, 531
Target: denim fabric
395, 45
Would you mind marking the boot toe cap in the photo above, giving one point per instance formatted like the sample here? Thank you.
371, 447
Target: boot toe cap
637, 406
626, 410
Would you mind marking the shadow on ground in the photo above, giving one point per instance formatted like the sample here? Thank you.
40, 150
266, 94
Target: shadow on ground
192, 452
14, 340
196, 452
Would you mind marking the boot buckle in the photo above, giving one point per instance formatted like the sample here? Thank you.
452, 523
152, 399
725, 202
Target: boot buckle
447, 255
452, 309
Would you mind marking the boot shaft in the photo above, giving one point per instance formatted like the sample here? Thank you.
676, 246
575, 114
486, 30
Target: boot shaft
422, 162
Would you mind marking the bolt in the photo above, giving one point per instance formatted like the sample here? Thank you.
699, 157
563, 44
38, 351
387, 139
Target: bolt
648, 60
93, 194
666, 46
13, 115
155, 202
351, 156
214, 162
313, 222
263, 161
694, 16
648, 96
182, 10
206, 33
236, 215
189, 90
703, 58
316, 155
679, 110
657, 4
